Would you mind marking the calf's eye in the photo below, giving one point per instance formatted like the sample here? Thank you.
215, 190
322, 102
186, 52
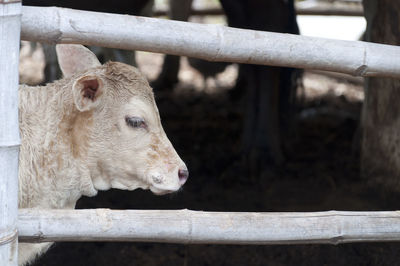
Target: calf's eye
135, 122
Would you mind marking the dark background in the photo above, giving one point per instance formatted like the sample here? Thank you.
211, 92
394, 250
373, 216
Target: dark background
321, 173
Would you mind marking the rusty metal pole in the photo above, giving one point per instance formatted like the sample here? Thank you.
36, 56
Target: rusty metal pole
10, 27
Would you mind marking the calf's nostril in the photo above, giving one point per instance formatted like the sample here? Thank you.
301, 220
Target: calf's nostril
183, 176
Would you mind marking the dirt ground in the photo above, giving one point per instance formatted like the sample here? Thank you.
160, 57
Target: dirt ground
321, 173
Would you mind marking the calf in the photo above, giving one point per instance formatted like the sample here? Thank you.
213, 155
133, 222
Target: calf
95, 129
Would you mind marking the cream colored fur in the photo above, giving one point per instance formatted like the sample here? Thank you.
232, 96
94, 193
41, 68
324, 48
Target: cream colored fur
73, 145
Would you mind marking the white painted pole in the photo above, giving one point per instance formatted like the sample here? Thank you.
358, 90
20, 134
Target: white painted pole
197, 227
10, 25
210, 42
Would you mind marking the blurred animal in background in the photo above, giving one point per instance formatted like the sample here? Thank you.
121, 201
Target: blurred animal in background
168, 77
271, 91
208, 69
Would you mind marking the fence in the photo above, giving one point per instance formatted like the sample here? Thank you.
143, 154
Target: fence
197, 227
10, 15
211, 42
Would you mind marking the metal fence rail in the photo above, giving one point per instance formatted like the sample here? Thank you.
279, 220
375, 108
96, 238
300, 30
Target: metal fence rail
197, 227
210, 42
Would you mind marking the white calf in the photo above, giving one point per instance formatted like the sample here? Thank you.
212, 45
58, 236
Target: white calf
95, 129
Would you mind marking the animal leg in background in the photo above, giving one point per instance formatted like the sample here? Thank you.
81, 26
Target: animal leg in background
168, 77
270, 90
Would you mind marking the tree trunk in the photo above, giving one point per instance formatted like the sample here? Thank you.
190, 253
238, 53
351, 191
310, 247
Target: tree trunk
380, 148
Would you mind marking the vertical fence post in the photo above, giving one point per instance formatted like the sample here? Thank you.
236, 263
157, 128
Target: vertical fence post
10, 26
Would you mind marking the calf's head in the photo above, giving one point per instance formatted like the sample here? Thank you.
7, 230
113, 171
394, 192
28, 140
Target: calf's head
126, 146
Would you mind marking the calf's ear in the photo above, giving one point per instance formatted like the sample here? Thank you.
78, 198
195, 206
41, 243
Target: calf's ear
74, 58
86, 92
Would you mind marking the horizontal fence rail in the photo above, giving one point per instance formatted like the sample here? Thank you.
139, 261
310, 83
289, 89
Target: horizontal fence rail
197, 227
210, 42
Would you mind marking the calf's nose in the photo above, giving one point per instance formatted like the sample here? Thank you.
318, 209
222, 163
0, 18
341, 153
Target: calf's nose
183, 176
